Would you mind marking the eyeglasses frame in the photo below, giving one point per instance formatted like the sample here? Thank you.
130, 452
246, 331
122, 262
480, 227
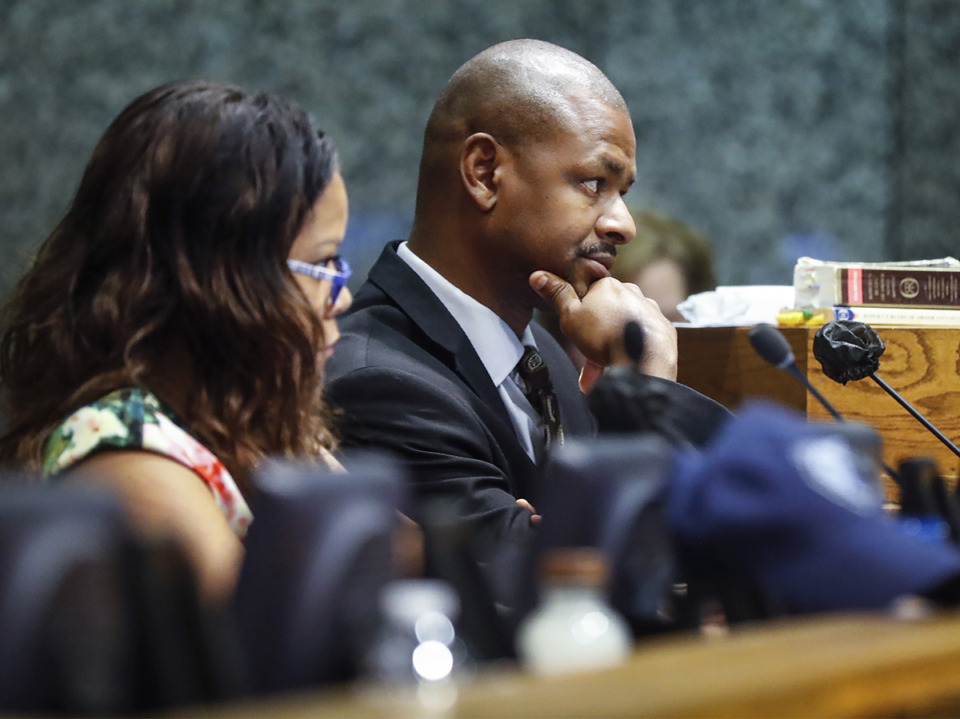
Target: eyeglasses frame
337, 277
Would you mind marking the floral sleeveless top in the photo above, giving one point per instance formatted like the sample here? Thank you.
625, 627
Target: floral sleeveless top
134, 418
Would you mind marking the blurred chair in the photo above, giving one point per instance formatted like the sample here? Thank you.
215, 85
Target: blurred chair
607, 493
93, 621
611, 493
488, 583
63, 614
317, 556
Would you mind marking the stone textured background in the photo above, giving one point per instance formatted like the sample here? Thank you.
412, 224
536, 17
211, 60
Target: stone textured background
776, 127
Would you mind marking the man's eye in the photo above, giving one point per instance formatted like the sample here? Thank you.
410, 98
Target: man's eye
593, 185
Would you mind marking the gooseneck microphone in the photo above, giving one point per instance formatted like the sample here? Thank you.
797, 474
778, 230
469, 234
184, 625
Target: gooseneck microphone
773, 347
625, 400
651, 403
836, 347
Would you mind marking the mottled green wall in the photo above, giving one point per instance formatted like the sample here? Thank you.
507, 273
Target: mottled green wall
777, 127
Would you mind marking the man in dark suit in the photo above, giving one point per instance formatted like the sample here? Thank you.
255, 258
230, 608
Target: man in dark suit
526, 158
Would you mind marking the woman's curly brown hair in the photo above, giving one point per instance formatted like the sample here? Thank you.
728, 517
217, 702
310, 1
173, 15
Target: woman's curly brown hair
175, 246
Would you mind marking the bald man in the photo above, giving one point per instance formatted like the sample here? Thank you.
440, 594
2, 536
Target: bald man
526, 158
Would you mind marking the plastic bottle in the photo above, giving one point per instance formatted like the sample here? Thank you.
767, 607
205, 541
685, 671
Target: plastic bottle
573, 628
418, 640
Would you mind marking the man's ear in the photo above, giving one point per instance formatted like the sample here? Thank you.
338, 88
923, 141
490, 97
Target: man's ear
480, 165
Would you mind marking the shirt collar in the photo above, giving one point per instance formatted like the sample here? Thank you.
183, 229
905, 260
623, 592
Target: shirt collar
492, 339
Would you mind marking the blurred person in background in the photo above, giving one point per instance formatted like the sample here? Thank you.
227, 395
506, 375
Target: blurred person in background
667, 260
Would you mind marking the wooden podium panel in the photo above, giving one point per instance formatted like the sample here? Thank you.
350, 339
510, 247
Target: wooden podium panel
921, 363
824, 666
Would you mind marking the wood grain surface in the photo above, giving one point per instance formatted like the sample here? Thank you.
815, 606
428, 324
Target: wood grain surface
921, 363
827, 666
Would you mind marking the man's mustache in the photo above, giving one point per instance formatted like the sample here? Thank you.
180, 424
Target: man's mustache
600, 248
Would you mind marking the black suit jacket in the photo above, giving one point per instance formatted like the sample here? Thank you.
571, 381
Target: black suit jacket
407, 380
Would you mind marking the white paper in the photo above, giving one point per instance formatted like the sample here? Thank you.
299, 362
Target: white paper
737, 306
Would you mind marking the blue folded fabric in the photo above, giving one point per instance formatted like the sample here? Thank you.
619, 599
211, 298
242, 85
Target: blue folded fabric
789, 504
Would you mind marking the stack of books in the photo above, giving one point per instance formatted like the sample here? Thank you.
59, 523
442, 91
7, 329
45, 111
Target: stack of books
924, 292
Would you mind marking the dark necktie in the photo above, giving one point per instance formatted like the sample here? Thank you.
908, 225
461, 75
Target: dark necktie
539, 390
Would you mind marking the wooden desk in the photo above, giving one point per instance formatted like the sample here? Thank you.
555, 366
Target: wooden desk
848, 665
922, 364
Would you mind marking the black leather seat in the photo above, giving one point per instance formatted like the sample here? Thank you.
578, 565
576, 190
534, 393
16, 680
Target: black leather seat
94, 621
317, 555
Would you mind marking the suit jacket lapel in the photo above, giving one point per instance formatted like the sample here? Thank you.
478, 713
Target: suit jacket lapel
395, 278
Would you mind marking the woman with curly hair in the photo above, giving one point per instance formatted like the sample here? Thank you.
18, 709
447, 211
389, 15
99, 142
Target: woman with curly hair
173, 328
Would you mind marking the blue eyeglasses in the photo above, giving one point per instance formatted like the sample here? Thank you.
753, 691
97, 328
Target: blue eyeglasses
337, 276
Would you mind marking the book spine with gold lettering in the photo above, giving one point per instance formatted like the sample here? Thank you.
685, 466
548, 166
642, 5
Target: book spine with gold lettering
889, 287
851, 285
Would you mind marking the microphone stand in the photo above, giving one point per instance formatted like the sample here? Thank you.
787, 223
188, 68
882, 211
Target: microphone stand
919, 417
795, 372
773, 348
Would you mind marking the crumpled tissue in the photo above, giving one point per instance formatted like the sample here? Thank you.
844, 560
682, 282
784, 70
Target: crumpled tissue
737, 306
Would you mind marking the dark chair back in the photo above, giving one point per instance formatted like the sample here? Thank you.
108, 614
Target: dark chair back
607, 493
64, 619
94, 621
317, 555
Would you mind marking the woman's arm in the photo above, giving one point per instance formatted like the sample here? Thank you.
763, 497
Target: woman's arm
163, 498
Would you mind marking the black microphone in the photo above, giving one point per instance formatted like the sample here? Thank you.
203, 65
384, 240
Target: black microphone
627, 400
773, 347
651, 401
851, 351
633, 341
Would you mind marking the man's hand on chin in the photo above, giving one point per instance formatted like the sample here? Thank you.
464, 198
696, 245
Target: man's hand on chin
595, 324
